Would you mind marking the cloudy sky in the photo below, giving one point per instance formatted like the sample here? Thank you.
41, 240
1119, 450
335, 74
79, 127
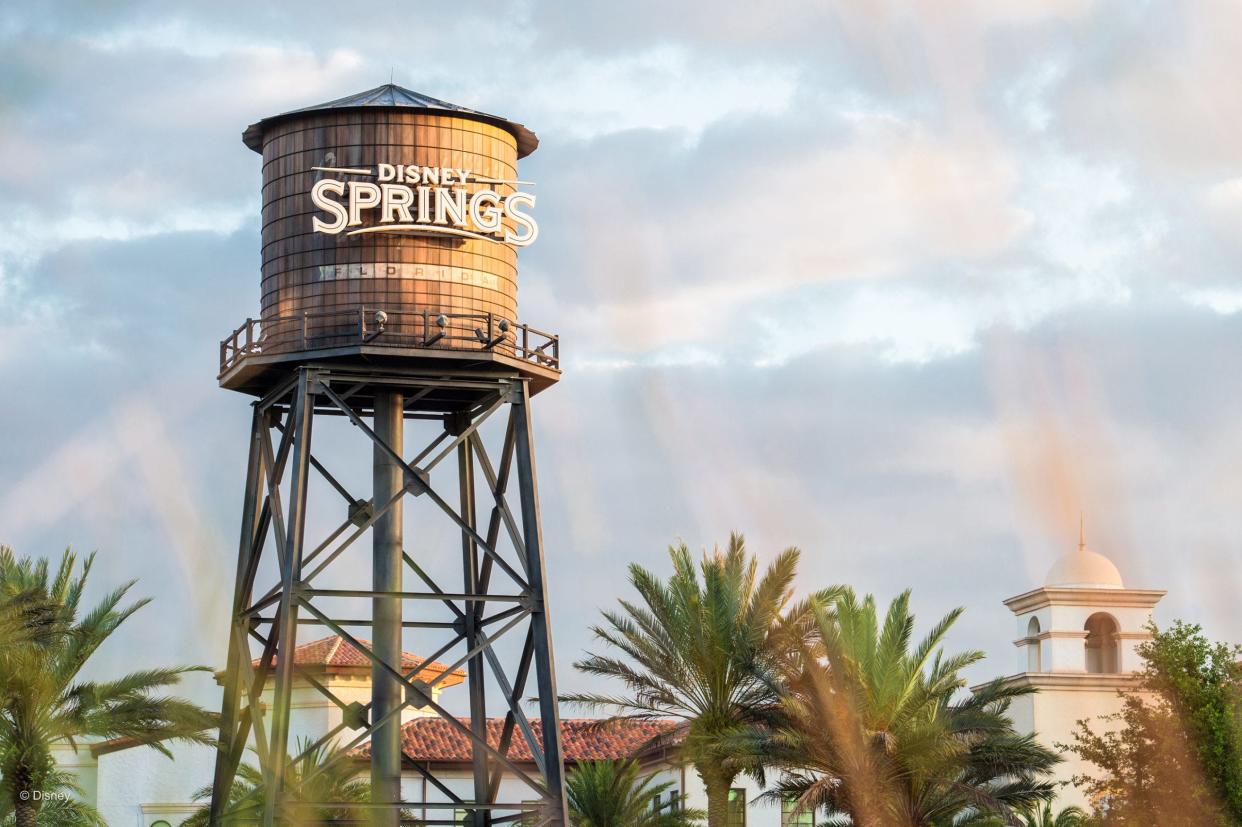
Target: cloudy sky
906, 285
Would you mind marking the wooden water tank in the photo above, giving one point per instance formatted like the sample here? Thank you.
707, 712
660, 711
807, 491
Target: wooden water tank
372, 285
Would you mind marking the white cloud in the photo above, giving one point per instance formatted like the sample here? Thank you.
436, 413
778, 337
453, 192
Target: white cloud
1027, 95
1158, 85
25, 235
1226, 195
1223, 300
663, 87
176, 34
1223, 213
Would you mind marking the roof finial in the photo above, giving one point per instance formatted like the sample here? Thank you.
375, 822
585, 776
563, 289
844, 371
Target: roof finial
1082, 532
392, 70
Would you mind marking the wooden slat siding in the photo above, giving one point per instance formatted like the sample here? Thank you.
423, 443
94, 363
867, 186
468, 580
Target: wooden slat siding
293, 254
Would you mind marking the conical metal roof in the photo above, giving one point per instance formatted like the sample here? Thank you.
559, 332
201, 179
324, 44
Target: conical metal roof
391, 96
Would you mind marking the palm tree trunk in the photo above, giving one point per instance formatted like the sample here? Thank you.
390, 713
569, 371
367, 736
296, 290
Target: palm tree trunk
717, 783
25, 811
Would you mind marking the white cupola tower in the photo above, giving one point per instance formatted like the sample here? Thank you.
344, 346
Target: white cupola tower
1083, 620
1077, 636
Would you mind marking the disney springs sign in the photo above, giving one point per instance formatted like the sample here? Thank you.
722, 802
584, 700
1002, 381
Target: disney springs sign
417, 200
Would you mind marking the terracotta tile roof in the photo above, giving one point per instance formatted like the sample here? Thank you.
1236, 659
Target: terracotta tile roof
334, 652
584, 739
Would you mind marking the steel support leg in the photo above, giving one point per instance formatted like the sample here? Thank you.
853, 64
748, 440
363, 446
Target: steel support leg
474, 668
545, 668
278, 751
226, 755
388, 480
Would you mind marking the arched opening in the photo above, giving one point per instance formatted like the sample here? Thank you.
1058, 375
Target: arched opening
1102, 644
1034, 647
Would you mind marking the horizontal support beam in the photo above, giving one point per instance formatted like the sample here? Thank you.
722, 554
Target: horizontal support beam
430, 805
406, 624
466, 598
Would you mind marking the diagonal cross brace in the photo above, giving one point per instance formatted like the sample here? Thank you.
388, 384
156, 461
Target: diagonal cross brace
415, 476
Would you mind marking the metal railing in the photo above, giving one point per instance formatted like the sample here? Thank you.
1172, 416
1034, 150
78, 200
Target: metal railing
379, 327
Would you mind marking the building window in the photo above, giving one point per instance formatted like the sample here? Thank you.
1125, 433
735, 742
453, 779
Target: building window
660, 803
789, 818
1034, 647
1103, 640
737, 807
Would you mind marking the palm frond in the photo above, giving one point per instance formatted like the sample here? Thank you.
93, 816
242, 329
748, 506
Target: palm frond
40, 702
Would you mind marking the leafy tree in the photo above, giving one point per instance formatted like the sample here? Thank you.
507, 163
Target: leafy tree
701, 648
1201, 684
318, 775
611, 794
42, 700
1173, 755
872, 730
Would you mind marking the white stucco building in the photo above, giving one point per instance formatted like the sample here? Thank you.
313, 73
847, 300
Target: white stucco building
1076, 639
1077, 636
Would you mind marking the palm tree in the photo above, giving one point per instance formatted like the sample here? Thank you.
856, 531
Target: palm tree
1067, 817
42, 701
328, 775
610, 794
871, 730
62, 808
703, 649
1037, 816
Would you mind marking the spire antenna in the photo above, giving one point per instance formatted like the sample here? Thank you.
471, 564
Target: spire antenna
1082, 532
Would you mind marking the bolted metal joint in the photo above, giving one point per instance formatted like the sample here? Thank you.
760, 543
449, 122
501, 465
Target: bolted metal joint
456, 423
418, 694
360, 511
354, 716
419, 480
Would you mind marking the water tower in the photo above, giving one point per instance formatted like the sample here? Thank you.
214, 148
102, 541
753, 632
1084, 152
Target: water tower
391, 228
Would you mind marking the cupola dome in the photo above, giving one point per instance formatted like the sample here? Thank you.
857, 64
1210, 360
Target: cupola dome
1084, 569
